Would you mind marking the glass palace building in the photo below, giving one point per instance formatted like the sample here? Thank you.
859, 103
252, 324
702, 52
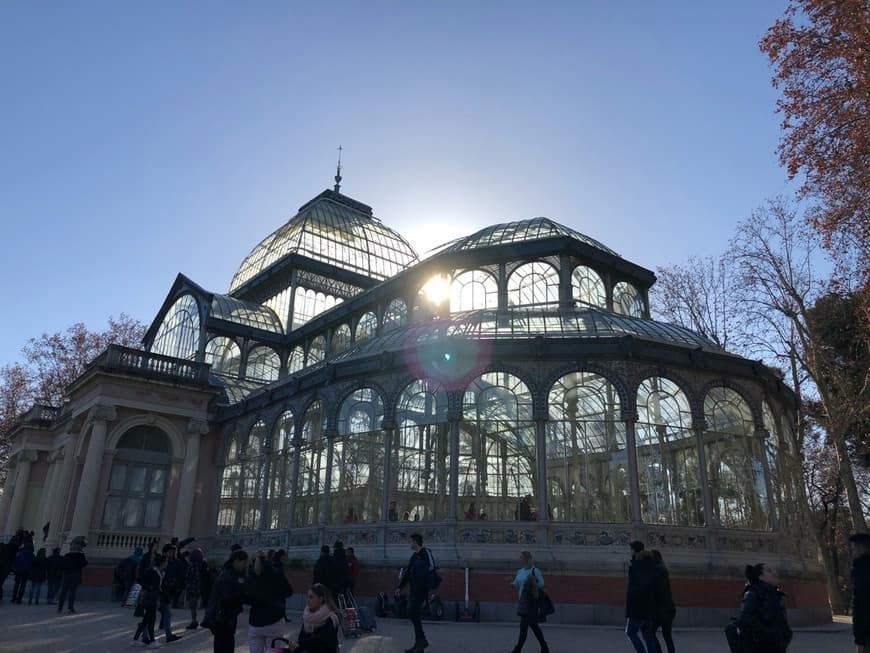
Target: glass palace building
509, 391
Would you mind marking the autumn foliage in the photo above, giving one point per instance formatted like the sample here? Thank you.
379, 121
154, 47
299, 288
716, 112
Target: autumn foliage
820, 51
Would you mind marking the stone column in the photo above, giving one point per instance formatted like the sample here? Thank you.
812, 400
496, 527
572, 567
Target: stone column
60, 492
19, 492
48, 487
633, 478
87, 491
196, 428
8, 488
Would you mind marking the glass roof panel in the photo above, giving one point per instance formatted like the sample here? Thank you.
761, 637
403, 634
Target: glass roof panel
516, 232
334, 229
249, 314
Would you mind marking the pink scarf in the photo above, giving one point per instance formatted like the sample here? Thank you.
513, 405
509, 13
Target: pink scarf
311, 621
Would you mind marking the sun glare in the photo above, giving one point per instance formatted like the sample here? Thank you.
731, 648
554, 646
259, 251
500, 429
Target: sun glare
437, 289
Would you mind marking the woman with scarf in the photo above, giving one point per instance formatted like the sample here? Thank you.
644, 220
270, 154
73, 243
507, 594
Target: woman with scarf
319, 632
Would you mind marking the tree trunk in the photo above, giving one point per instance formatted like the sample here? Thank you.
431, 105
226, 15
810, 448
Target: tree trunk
859, 524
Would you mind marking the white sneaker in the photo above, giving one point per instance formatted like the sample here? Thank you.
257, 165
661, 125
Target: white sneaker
137, 644
155, 644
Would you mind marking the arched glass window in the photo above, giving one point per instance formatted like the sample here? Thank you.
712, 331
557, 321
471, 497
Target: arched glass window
734, 461
280, 472
627, 300
533, 284
316, 351
230, 488
587, 475
340, 338
224, 356
137, 485
667, 456
178, 334
587, 287
358, 459
421, 453
308, 304
366, 327
497, 469
253, 468
264, 364
296, 362
472, 290
312, 466
396, 314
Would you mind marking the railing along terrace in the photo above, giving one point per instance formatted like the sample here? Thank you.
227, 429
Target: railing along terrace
114, 540
125, 358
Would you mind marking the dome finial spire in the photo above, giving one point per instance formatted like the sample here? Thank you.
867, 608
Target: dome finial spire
338, 172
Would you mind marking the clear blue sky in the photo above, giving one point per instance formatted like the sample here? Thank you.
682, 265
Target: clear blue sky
143, 139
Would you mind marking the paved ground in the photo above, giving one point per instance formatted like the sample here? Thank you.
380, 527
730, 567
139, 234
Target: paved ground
99, 628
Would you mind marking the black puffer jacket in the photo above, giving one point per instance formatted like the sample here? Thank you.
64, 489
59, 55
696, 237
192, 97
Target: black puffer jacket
226, 600
861, 600
266, 592
763, 618
664, 600
640, 596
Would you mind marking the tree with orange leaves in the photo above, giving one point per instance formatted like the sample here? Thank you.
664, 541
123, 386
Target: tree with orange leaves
820, 51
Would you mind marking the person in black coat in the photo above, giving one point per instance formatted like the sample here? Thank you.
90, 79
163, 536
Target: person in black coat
54, 574
339, 570
665, 610
265, 589
762, 626
860, 543
319, 632
73, 564
37, 576
149, 596
225, 602
324, 570
420, 569
640, 611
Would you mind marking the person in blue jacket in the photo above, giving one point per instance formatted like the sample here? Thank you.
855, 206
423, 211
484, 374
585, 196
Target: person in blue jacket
22, 567
528, 582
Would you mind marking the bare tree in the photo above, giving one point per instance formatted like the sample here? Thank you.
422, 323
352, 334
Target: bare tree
774, 252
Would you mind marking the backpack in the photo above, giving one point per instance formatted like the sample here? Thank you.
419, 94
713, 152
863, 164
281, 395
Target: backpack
433, 578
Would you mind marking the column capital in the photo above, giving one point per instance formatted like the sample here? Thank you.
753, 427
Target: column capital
103, 413
762, 434
197, 427
28, 455
55, 455
699, 424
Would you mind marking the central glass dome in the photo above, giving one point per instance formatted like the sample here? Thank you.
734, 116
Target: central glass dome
334, 229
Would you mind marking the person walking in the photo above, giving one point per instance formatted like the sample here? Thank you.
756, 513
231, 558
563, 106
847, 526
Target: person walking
22, 567
324, 570
762, 626
125, 574
418, 574
319, 632
73, 564
665, 610
8, 550
352, 569
860, 544
265, 589
528, 581
169, 589
194, 582
146, 604
37, 576
340, 570
640, 600
225, 602
54, 574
